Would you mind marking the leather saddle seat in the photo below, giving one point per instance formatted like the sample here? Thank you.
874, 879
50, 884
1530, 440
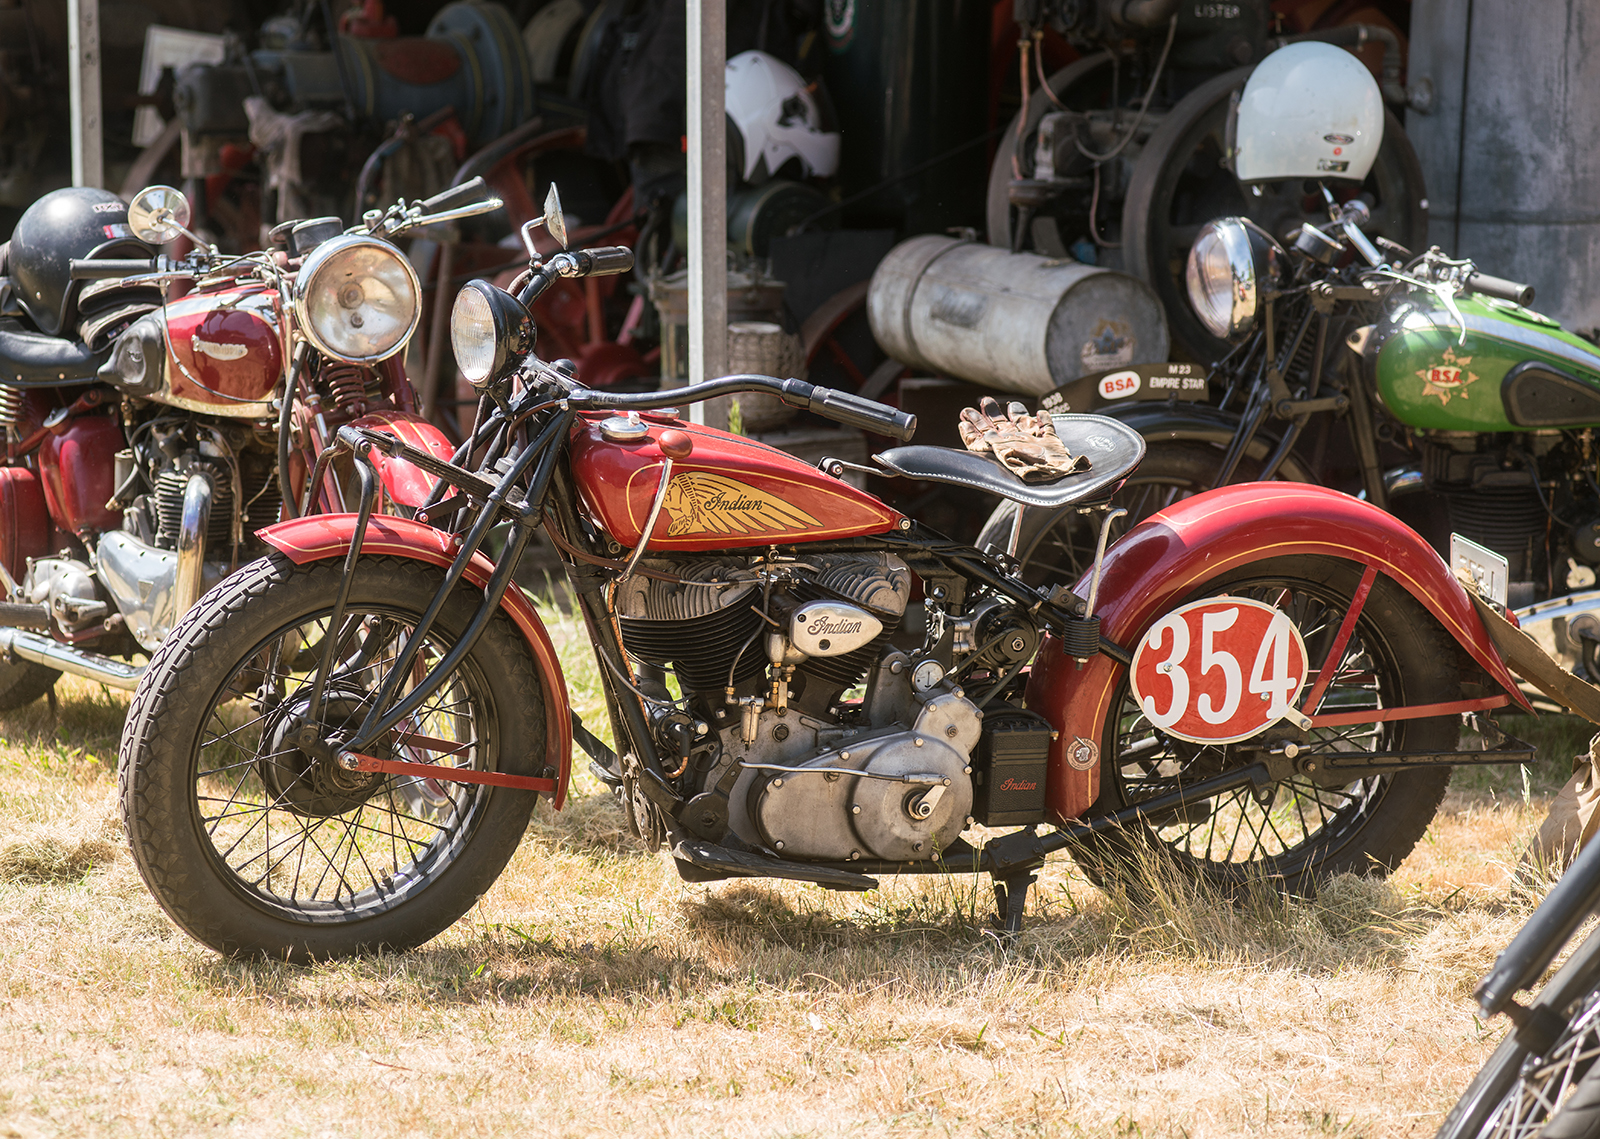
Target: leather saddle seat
1112, 448
29, 358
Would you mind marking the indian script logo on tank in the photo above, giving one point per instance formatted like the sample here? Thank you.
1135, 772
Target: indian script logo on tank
703, 503
1447, 378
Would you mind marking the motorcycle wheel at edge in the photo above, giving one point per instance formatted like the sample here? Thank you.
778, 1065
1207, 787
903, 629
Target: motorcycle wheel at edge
1299, 832
1518, 1095
257, 849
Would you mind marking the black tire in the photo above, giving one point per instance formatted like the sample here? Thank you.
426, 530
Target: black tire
22, 682
1302, 832
1518, 1095
378, 862
1058, 546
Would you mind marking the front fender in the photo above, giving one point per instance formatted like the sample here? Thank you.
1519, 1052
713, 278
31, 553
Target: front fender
402, 482
323, 536
1164, 558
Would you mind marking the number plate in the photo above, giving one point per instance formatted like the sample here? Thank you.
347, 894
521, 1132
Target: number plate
1489, 569
1219, 670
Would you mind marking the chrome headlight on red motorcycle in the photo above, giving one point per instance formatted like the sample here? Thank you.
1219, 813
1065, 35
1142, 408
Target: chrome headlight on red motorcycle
1231, 262
357, 299
490, 333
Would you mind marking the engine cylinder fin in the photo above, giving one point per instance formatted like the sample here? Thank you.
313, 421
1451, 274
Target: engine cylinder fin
170, 488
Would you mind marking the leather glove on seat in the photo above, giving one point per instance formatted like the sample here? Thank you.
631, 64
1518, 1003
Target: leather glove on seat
1026, 445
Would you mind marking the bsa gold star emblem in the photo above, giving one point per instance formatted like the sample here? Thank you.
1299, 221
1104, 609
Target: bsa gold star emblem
1448, 377
703, 503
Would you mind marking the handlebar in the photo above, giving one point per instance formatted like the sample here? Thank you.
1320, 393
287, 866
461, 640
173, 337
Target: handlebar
1505, 290
465, 194
842, 407
601, 261
93, 270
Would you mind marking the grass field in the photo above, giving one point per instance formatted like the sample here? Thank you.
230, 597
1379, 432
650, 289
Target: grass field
592, 993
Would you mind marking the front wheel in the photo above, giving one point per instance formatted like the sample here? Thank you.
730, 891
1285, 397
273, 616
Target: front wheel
255, 847
1519, 1095
1059, 545
1299, 830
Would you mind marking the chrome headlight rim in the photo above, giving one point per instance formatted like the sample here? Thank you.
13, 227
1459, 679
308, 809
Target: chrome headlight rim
500, 320
306, 280
1254, 260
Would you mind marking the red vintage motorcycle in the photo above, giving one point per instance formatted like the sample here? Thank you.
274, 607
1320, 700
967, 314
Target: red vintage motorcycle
338, 748
149, 435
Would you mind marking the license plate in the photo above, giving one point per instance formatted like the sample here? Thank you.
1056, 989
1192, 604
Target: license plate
1490, 570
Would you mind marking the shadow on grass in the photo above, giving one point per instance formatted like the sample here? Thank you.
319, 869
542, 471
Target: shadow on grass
928, 940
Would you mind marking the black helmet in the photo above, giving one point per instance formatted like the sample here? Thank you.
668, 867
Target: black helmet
64, 224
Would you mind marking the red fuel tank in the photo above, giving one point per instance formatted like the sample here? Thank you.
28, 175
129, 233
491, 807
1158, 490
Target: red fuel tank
226, 358
730, 493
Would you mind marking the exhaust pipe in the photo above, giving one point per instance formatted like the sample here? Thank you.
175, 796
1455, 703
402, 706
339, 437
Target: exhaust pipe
28, 646
190, 578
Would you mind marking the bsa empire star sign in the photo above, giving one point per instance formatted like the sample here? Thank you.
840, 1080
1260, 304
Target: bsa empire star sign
1448, 377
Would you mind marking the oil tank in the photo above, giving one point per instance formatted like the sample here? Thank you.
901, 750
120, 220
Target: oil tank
1507, 129
1017, 322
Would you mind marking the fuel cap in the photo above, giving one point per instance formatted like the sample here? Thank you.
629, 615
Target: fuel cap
624, 428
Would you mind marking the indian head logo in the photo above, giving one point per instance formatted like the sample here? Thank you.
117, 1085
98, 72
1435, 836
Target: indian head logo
699, 502
1447, 378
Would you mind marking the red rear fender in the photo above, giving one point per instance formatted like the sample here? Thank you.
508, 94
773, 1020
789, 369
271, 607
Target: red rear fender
323, 536
1167, 556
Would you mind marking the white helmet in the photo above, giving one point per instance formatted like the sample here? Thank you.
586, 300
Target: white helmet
1311, 110
777, 117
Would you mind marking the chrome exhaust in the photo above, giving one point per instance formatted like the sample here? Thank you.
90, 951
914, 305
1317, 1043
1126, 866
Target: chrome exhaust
43, 650
190, 580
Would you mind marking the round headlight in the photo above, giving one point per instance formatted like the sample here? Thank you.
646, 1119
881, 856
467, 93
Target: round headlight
357, 299
490, 333
1230, 261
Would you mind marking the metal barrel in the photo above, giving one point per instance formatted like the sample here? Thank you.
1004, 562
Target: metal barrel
1016, 322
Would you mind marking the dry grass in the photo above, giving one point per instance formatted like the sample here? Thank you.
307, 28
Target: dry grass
592, 993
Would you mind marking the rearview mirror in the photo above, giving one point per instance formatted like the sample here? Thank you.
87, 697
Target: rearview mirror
555, 222
158, 214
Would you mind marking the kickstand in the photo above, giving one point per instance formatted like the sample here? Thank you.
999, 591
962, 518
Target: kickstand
55, 707
1010, 897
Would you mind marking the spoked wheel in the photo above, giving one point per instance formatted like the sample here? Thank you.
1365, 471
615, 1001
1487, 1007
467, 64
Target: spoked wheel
1059, 546
257, 847
1295, 832
1522, 1096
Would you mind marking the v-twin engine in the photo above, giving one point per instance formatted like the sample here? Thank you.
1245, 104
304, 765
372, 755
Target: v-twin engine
825, 741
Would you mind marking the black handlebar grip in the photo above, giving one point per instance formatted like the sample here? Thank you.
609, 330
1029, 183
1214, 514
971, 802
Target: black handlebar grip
607, 260
1506, 290
91, 270
866, 414
465, 194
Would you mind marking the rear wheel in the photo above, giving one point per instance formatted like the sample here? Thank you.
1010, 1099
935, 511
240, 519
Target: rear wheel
23, 682
256, 847
1298, 830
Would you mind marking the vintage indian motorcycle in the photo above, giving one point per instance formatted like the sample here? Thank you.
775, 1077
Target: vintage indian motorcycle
339, 747
148, 437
